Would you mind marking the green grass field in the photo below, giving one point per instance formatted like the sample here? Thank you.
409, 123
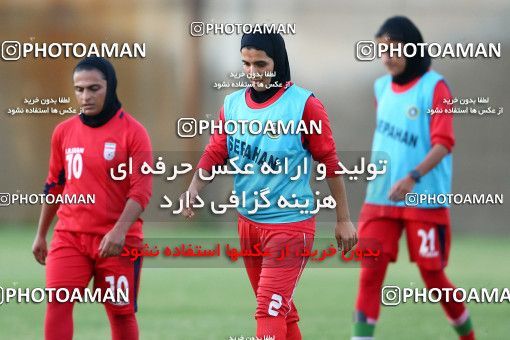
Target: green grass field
215, 303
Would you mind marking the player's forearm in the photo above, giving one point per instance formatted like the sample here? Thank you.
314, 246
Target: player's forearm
197, 184
130, 214
48, 212
337, 188
433, 157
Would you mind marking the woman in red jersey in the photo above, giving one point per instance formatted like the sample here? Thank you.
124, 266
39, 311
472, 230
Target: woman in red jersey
88, 238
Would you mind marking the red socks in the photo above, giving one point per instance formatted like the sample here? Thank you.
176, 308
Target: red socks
272, 326
293, 332
438, 279
58, 324
456, 311
123, 326
369, 292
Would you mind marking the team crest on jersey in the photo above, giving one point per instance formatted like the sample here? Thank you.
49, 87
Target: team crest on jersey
273, 131
413, 112
109, 151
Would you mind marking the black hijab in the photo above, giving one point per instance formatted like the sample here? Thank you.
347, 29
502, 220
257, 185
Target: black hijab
402, 29
111, 102
274, 46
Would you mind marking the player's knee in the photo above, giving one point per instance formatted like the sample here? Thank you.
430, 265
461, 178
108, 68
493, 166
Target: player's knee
124, 318
123, 326
431, 278
57, 312
274, 327
117, 313
58, 309
372, 278
58, 323
292, 315
367, 281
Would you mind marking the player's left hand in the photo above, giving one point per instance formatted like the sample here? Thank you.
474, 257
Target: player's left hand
112, 243
401, 188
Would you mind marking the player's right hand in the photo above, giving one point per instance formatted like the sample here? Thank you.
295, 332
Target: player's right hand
346, 236
40, 249
188, 212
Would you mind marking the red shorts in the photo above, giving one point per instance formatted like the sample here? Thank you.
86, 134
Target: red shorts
73, 261
428, 243
274, 277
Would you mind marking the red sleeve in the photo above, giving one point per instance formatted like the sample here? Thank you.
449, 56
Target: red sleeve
215, 152
321, 146
140, 150
441, 124
56, 175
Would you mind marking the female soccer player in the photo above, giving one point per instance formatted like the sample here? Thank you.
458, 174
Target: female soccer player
88, 239
418, 149
273, 228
